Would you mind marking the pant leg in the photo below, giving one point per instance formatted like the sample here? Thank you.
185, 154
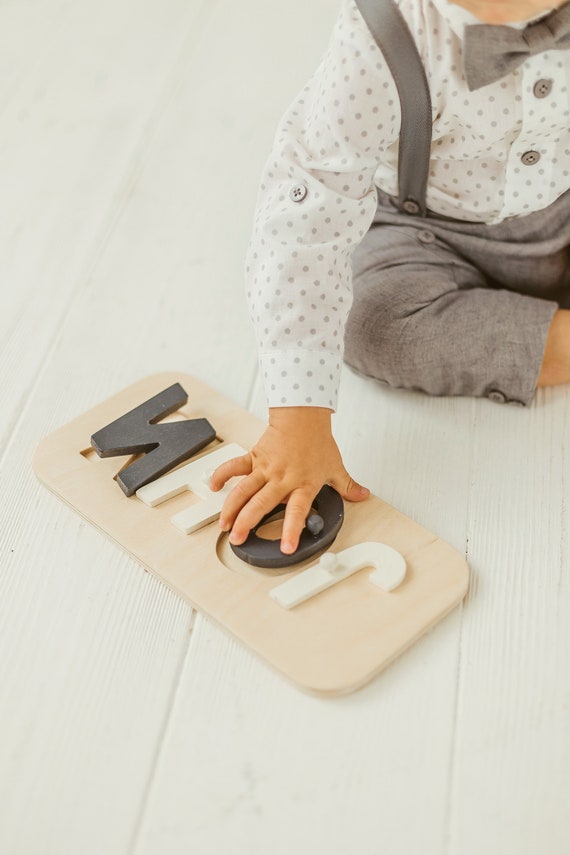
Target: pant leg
425, 318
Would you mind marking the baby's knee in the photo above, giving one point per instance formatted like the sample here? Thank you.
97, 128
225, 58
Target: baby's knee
375, 340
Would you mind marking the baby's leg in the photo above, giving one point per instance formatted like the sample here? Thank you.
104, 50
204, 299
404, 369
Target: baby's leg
425, 318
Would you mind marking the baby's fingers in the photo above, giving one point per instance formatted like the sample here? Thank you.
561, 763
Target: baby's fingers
261, 503
238, 497
296, 513
235, 466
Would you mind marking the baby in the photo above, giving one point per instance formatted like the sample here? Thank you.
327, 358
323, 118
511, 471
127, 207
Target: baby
461, 292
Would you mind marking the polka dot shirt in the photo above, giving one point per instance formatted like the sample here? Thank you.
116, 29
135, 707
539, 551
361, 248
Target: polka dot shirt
338, 141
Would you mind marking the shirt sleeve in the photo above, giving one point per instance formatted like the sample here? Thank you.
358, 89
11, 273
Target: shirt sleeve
316, 201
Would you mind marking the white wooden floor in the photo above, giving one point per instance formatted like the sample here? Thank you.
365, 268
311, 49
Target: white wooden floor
132, 137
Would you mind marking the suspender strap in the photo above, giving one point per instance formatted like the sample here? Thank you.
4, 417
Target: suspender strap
391, 33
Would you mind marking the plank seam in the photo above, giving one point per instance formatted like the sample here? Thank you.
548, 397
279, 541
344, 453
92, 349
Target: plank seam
447, 813
162, 737
563, 509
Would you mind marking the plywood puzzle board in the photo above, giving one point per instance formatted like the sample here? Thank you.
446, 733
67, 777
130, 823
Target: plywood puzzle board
332, 643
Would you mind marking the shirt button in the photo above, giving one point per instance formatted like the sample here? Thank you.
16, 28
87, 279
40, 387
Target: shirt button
298, 192
497, 396
425, 236
542, 88
410, 206
529, 158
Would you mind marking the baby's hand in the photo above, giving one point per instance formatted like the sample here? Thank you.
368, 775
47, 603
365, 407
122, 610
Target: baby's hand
292, 460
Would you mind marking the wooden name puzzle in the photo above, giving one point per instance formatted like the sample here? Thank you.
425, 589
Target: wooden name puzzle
366, 583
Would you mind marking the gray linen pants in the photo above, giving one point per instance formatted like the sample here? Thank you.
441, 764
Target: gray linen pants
449, 307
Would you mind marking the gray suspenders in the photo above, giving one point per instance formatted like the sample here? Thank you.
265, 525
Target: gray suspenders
391, 33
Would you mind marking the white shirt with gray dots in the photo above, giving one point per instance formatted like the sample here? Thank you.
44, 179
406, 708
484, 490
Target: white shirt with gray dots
339, 140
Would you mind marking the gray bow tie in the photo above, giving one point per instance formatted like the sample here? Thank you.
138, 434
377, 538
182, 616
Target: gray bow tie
490, 52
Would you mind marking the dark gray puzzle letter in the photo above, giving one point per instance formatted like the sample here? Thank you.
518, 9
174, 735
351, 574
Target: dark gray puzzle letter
163, 446
315, 537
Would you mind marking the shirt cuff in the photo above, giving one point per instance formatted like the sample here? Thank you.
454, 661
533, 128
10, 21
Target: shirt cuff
301, 378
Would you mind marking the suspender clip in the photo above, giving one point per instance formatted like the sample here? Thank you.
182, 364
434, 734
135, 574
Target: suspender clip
410, 206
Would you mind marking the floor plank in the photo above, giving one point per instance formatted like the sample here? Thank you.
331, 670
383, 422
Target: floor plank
512, 758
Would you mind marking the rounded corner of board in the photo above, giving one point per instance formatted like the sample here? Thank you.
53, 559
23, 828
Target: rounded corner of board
460, 568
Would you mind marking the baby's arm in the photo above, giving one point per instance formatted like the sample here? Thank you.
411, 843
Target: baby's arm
293, 459
316, 201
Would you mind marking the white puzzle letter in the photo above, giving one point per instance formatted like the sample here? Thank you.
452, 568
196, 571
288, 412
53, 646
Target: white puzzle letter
195, 477
389, 572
